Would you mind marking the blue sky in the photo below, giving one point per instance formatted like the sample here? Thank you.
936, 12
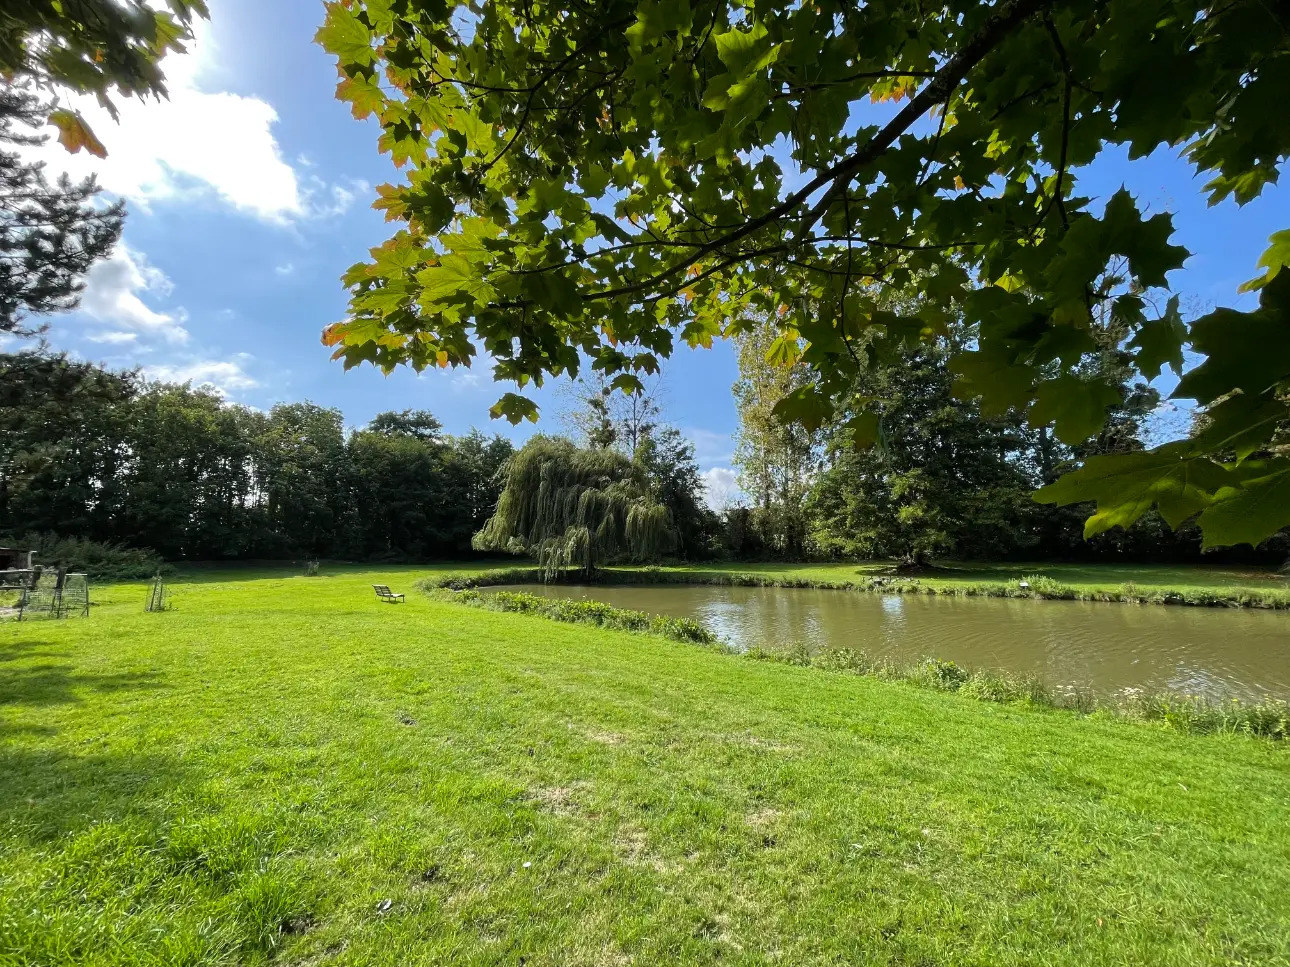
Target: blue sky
249, 195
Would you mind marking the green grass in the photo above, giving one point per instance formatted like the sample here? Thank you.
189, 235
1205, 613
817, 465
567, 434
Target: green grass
284, 769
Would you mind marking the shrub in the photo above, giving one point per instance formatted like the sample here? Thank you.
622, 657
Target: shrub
1042, 586
102, 562
589, 612
945, 676
999, 687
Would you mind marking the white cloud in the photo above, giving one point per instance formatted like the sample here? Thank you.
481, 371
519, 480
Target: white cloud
114, 290
340, 199
721, 487
113, 338
222, 376
464, 378
709, 446
285, 269
198, 142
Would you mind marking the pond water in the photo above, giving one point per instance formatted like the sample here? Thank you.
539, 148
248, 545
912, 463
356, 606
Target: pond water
1107, 647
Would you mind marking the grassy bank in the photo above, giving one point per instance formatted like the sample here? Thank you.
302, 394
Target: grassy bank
1192, 714
285, 769
1146, 584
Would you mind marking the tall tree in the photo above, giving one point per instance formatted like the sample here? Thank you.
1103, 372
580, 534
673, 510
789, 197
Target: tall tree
64, 432
666, 459
482, 460
187, 484
776, 460
599, 179
603, 417
303, 475
421, 424
49, 234
575, 508
942, 479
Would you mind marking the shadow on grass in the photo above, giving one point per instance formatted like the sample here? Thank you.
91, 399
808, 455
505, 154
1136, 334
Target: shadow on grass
46, 793
14, 650
48, 684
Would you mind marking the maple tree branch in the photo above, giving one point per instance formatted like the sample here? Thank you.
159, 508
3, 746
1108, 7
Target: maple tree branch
1007, 16
1059, 188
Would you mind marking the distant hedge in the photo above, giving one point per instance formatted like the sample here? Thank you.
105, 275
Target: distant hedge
102, 562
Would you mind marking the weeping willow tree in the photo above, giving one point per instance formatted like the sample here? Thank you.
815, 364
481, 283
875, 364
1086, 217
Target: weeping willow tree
573, 508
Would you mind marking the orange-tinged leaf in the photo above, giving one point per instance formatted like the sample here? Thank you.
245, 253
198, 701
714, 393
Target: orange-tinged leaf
959, 183
333, 334
364, 95
74, 134
893, 89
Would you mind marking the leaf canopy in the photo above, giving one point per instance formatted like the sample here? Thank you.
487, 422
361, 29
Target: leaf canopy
658, 168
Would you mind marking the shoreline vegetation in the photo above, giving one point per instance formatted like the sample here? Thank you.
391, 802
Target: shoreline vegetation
1189, 714
1038, 587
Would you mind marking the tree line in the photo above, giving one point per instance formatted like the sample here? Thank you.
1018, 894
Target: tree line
110, 457
911, 471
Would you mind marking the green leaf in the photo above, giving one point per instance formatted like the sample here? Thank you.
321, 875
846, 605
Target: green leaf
865, 429
1000, 383
1077, 406
364, 95
1160, 342
398, 255
454, 279
627, 383
515, 408
806, 406
1274, 260
1242, 424
745, 51
1126, 485
1250, 513
1249, 351
785, 350
344, 35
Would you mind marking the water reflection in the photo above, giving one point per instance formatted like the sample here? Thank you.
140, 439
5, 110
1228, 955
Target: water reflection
1108, 647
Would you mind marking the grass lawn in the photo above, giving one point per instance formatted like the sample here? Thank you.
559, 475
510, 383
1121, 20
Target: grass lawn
285, 769
1086, 577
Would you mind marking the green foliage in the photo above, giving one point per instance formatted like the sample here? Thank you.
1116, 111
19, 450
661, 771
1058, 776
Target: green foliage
776, 459
99, 47
100, 561
90, 453
599, 180
944, 479
49, 234
1171, 591
569, 507
591, 612
1188, 714
666, 459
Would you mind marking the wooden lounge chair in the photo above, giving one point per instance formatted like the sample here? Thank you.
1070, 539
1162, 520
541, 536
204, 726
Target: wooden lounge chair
384, 593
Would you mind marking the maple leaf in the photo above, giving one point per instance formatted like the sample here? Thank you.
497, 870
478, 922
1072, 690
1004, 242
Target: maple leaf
74, 134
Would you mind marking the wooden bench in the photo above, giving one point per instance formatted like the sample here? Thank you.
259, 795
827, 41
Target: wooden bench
384, 593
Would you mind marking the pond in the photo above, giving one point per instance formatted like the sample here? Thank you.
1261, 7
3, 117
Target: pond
1214, 652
